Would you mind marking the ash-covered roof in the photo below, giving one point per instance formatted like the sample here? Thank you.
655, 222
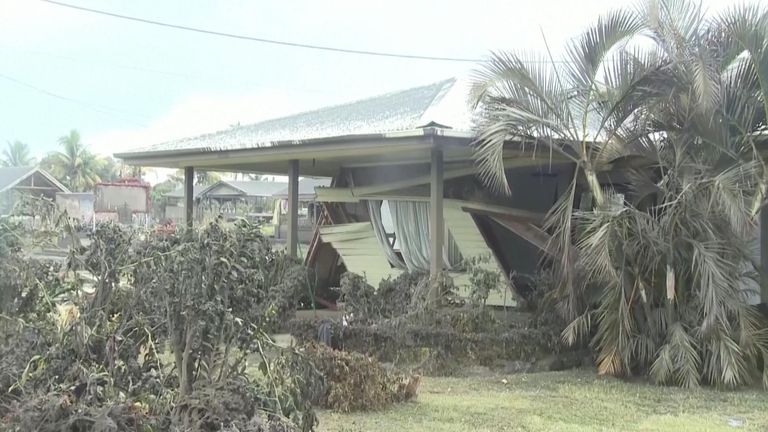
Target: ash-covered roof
306, 188
179, 192
244, 188
441, 104
11, 176
255, 187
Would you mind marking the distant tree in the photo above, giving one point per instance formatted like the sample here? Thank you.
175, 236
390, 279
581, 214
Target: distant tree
129, 171
202, 177
17, 154
109, 169
206, 177
157, 195
75, 165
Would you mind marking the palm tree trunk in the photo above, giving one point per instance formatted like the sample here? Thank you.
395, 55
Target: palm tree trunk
594, 186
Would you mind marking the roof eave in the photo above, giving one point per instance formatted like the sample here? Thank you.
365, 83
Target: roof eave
290, 146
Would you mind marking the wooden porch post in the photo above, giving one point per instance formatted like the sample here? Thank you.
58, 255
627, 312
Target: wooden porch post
436, 221
293, 208
189, 196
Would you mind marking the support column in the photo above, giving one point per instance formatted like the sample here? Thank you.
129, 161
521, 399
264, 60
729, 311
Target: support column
189, 196
293, 208
436, 221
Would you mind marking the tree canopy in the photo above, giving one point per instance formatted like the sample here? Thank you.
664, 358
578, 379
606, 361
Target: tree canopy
657, 270
17, 154
76, 166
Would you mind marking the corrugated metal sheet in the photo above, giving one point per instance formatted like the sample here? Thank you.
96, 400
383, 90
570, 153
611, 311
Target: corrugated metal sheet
472, 245
357, 245
442, 103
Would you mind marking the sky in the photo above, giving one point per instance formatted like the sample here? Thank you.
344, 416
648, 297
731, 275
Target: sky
125, 84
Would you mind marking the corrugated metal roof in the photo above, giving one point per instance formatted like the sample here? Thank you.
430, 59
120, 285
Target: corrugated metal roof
442, 104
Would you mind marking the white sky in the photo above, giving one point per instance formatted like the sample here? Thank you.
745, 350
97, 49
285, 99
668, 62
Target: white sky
131, 84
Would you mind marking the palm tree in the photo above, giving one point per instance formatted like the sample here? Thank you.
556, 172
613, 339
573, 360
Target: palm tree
655, 275
17, 154
75, 164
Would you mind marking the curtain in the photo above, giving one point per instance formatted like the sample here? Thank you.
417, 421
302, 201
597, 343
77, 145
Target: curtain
374, 211
411, 220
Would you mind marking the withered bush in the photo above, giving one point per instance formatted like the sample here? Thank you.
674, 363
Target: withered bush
356, 382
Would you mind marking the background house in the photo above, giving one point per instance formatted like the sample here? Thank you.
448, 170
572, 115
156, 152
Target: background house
308, 208
78, 205
232, 198
16, 182
126, 201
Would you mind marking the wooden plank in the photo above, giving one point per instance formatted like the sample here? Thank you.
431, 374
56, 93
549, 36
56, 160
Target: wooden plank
527, 231
492, 209
351, 227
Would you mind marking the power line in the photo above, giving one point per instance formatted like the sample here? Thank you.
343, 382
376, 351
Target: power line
156, 71
264, 40
97, 108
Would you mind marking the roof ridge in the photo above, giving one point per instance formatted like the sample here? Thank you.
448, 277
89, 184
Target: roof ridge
439, 96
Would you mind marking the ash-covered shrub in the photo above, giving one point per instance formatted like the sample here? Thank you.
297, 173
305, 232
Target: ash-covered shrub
406, 294
454, 338
82, 352
356, 382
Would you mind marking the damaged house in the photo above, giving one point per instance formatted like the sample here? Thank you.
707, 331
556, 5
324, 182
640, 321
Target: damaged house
404, 193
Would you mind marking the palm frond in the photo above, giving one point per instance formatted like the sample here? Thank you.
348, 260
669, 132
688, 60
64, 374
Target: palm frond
706, 80
745, 32
558, 223
519, 99
588, 51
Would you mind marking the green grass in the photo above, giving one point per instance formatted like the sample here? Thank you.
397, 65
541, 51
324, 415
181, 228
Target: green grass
559, 401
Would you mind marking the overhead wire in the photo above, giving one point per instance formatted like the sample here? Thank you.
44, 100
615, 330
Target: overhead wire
287, 43
97, 108
166, 73
264, 40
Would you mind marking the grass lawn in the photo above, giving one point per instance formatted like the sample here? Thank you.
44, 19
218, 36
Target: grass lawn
559, 401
